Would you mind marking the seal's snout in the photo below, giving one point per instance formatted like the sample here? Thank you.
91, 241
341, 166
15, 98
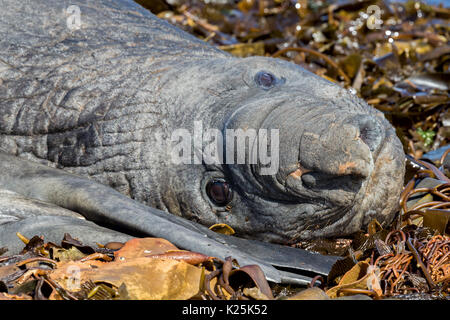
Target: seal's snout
346, 148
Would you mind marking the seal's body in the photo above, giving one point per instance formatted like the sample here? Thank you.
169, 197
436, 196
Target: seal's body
99, 88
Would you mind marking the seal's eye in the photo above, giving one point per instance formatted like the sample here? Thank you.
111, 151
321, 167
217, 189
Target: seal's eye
265, 80
219, 191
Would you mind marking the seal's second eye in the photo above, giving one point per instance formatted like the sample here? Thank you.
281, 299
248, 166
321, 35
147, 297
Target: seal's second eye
265, 80
219, 191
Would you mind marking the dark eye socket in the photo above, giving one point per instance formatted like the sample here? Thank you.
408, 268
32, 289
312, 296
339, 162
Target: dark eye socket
265, 80
219, 191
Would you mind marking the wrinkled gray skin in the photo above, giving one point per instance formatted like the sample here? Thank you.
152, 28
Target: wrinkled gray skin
103, 101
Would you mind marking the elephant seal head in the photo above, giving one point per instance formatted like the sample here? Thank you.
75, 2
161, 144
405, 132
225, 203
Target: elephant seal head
296, 157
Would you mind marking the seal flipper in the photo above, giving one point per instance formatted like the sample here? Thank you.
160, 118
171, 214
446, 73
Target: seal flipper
53, 229
105, 206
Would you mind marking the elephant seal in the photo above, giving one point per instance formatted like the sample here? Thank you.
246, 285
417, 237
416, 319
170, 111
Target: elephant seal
106, 91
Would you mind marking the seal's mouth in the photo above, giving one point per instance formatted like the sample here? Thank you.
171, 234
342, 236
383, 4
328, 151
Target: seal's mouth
334, 163
377, 197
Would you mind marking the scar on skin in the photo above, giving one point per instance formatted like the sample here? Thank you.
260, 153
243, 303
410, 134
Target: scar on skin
299, 172
343, 167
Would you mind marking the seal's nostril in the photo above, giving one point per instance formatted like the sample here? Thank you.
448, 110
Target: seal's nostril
370, 134
370, 131
367, 136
